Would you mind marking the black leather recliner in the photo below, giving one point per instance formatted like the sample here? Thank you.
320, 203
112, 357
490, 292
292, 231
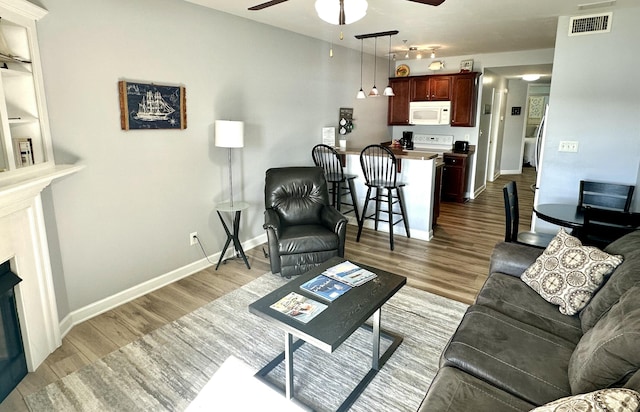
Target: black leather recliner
303, 230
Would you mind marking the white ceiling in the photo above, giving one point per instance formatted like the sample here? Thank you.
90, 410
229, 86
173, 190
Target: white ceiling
455, 28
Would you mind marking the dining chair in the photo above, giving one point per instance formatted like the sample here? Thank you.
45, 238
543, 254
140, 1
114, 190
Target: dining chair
603, 226
512, 220
380, 169
605, 195
329, 160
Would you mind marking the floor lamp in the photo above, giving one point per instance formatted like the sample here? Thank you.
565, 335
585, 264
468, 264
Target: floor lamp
230, 134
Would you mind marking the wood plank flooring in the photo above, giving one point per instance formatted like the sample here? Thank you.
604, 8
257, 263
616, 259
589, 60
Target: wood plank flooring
453, 264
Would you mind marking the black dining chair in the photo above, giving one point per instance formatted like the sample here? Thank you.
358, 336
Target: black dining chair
512, 217
605, 195
603, 226
329, 160
380, 169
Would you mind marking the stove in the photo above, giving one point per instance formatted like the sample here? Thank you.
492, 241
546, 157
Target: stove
434, 143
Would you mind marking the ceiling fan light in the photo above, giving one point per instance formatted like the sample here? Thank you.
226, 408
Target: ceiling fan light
361, 95
374, 92
329, 10
530, 77
388, 91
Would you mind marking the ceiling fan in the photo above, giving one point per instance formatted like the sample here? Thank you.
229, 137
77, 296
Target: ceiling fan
341, 18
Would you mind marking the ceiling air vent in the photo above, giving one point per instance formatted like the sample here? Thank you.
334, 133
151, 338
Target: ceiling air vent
591, 24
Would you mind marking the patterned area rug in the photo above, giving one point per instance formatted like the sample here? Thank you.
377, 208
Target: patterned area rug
166, 369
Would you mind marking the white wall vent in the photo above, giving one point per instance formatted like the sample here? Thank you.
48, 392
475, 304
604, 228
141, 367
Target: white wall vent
591, 24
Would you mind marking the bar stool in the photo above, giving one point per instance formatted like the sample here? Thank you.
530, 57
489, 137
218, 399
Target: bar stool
379, 166
326, 157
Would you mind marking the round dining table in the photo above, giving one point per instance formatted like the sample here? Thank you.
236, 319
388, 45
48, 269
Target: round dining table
561, 214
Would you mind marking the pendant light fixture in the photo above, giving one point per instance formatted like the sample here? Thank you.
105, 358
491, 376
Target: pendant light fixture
374, 91
388, 91
340, 12
361, 94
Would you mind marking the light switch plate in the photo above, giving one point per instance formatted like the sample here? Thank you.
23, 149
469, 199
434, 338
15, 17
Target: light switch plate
568, 146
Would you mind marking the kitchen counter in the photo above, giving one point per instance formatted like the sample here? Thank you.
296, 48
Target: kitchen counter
418, 170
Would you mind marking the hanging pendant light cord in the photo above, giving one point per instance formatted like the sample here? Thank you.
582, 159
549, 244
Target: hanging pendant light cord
375, 60
361, 44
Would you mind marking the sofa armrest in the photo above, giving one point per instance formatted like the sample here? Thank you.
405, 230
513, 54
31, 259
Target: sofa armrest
272, 221
332, 219
512, 258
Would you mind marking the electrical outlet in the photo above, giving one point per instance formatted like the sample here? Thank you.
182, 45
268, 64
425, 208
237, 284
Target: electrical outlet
568, 146
193, 238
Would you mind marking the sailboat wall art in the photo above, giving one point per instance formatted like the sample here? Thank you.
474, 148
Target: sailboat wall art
152, 106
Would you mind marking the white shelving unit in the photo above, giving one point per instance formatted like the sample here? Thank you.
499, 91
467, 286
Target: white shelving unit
24, 128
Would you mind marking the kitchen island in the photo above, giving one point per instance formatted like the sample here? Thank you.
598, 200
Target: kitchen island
417, 169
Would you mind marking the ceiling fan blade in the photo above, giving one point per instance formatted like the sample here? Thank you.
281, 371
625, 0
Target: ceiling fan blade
265, 5
429, 2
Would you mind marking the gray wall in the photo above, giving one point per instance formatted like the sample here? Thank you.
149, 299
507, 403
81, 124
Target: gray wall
125, 219
594, 100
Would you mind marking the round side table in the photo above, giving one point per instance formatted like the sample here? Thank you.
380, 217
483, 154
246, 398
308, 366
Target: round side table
232, 235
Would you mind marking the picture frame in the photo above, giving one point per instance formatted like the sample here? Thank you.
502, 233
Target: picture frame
466, 66
152, 106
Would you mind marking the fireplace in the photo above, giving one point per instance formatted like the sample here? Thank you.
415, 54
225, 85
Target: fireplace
13, 363
24, 244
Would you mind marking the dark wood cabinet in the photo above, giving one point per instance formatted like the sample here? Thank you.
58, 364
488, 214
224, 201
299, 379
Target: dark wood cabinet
455, 176
426, 88
464, 99
437, 193
399, 104
460, 88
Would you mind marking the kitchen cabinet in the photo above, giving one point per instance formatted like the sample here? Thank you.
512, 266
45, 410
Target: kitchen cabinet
454, 177
437, 192
464, 99
425, 88
24, 127
399, 104
460, 88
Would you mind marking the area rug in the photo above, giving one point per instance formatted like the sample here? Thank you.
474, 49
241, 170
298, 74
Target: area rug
166, 369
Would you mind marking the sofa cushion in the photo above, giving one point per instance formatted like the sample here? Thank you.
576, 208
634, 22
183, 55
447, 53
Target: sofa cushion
513, 356
625, 276
510, 295
608, 354
454, 390
604, 400
567, 273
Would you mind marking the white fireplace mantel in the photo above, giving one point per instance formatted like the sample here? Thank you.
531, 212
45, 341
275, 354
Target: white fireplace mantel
24, 243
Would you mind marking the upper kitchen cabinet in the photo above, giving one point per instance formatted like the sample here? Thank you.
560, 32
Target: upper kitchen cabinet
464, 99
24, 127
399, 104
437, 87
460, 88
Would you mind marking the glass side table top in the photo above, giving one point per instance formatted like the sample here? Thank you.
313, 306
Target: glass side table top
237, 206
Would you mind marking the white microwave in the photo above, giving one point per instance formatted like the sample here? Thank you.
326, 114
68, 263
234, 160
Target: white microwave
430, 113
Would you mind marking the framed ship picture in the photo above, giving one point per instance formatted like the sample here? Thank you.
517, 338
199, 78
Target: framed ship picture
152, 106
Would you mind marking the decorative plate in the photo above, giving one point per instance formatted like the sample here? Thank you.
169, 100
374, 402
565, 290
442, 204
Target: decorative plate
402, 70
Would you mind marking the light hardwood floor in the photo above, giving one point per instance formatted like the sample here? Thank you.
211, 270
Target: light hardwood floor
453, 264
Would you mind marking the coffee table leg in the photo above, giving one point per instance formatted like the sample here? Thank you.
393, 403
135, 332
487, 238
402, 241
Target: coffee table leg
288, 362
376, 340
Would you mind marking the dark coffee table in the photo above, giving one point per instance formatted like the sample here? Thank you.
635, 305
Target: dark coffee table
335, 324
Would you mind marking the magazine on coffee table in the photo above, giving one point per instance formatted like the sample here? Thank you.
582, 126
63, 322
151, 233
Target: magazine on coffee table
325, 288
349, 273
299, 307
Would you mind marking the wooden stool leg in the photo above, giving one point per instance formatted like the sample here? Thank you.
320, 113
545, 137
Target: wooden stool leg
364, 213
378, 200
404, 211
390, 205
352, 189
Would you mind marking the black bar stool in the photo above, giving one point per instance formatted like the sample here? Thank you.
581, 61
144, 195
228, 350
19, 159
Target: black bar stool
327, 158
379, 166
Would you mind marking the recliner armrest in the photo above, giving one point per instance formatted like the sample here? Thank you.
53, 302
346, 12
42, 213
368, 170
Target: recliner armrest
332, 219
272, 221
512, 258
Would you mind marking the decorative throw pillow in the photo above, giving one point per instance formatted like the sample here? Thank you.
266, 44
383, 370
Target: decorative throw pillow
567, 273
604, 400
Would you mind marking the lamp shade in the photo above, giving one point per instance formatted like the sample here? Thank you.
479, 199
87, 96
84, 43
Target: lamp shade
329, 10
229, 133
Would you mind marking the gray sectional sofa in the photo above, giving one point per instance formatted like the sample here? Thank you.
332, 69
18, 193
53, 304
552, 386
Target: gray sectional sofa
514, 351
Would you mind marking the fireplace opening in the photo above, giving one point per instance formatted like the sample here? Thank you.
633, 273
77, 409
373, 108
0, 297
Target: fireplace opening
13, 364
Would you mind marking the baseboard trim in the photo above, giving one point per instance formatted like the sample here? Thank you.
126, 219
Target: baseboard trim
78, 316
